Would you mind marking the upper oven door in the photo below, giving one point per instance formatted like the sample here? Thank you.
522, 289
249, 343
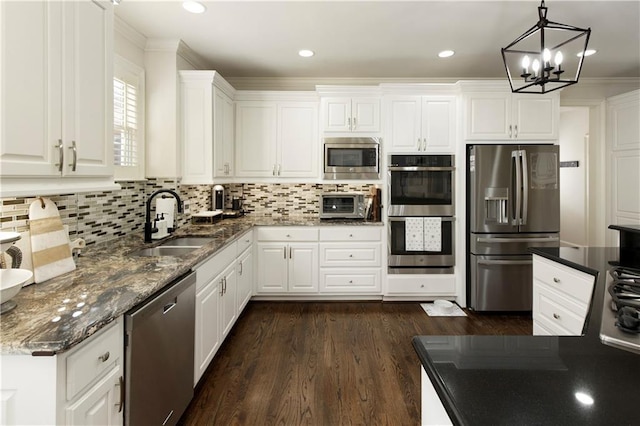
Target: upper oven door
421, 190
351, 158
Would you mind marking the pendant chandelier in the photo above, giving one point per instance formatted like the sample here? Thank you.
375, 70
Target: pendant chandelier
546, 57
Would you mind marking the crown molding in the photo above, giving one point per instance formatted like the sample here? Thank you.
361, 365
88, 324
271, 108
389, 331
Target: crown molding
162, 45
310, 83
191, 56
130, 33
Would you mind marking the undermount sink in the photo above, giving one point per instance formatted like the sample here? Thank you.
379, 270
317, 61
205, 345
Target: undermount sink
187, 242
163, 251
175, 247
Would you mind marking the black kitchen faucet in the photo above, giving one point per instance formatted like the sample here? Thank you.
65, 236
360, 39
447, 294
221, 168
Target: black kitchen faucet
148, 226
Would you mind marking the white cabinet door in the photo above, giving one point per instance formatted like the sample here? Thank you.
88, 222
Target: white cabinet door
245, 279
303, 267
337, 114
207, 328
223, 132
100, 405
298, 139
228, 308
272, 268
488, 116
256, 135
404, 123
57, 101
88, 88
535, 117
31, 78
351, 114
365, 115
438, 124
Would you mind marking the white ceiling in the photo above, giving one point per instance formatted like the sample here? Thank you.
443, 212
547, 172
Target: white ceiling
382, 39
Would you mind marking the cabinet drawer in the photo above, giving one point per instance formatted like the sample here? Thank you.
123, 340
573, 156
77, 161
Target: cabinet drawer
245, 241
365, 280
211, 267
557, 313
427, 285
287, 234
356, 255
566, 280
350, 233
94, 357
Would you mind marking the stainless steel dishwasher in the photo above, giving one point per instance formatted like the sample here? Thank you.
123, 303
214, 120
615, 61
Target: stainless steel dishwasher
159, 355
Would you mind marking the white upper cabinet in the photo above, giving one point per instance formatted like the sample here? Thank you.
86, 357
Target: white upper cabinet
506, 116
207, 117
277, 139
57, 89
351, 115
421, 123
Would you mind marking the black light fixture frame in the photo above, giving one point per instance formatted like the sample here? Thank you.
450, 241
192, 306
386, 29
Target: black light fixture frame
547, 75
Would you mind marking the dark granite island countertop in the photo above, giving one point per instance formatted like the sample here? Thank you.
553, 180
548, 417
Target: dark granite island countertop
53, 316
522, 380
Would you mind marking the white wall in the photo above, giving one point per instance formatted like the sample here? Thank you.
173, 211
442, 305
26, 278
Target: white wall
128, 43
573, 141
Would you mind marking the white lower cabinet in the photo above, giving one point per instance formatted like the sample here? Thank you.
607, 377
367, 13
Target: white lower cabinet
350, 260
422, 285
223, 289
287, 260
80, 387
561, 298
433, 412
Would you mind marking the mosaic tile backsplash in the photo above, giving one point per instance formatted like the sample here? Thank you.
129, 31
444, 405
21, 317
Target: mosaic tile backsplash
102, 216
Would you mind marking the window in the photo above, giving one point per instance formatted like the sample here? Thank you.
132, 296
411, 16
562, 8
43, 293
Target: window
128, 120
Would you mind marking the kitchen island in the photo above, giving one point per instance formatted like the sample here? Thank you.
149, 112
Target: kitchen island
537, 379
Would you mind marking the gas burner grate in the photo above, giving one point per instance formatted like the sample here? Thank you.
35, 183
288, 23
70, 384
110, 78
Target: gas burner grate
625, 298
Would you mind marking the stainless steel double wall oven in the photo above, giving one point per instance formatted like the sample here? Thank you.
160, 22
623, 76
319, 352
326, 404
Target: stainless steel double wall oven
421, 214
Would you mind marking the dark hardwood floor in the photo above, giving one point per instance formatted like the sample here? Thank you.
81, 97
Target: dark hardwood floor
335, 363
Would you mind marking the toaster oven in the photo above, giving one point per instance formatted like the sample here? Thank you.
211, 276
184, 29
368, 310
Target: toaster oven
342, 205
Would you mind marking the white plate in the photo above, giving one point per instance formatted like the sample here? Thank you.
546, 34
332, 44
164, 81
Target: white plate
11, 281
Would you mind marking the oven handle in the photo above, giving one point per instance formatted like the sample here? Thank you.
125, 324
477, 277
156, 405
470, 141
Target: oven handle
403, 219
518, 240
504, 262
421, 169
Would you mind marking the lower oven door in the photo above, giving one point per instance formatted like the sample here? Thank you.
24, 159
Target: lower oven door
406, 250
501, 283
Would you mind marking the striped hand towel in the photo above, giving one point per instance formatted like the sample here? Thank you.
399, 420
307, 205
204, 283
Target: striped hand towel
50, 250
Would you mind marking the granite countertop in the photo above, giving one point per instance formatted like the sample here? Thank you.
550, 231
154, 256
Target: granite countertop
55, 315
534, 379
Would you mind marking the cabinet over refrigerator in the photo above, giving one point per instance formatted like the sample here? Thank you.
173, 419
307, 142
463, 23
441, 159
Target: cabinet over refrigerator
513, 203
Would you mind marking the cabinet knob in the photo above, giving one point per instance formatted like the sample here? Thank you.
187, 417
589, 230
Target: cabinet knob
350, 281
421, 285
556, 280
350, 235
350, 255
556, 316
104, 356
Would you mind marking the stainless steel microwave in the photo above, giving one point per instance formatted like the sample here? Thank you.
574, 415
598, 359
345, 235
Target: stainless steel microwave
342, 205
351, 158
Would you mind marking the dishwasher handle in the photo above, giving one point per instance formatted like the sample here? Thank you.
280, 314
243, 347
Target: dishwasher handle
169, 306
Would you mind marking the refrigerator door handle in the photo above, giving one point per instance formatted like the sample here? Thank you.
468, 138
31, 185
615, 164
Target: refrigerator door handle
504, 262
518, 240
515, 170
525, 187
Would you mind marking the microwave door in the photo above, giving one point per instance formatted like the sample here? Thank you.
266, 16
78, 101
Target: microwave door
493, 189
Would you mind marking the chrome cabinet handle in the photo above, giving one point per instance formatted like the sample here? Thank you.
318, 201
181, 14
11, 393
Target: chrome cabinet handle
121, 403
273, 172
278, 172
510, 130
104, 357
419, 144
221, 286
240, 265
556, 316
424, 144
516, 131
290, 253
285, 252
349, 122
74, 151
556, 280
60, 147
354, 123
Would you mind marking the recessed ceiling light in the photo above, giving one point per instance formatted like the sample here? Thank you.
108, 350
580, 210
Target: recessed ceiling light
446, 53
587, 52
306, 53
193, 6
584, 398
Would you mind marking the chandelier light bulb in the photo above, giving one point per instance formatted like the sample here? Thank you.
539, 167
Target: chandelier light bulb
558, 58
525, 62
535, 66
546, 55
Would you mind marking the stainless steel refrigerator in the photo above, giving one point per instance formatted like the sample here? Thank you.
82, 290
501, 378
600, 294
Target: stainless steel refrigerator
513, 203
